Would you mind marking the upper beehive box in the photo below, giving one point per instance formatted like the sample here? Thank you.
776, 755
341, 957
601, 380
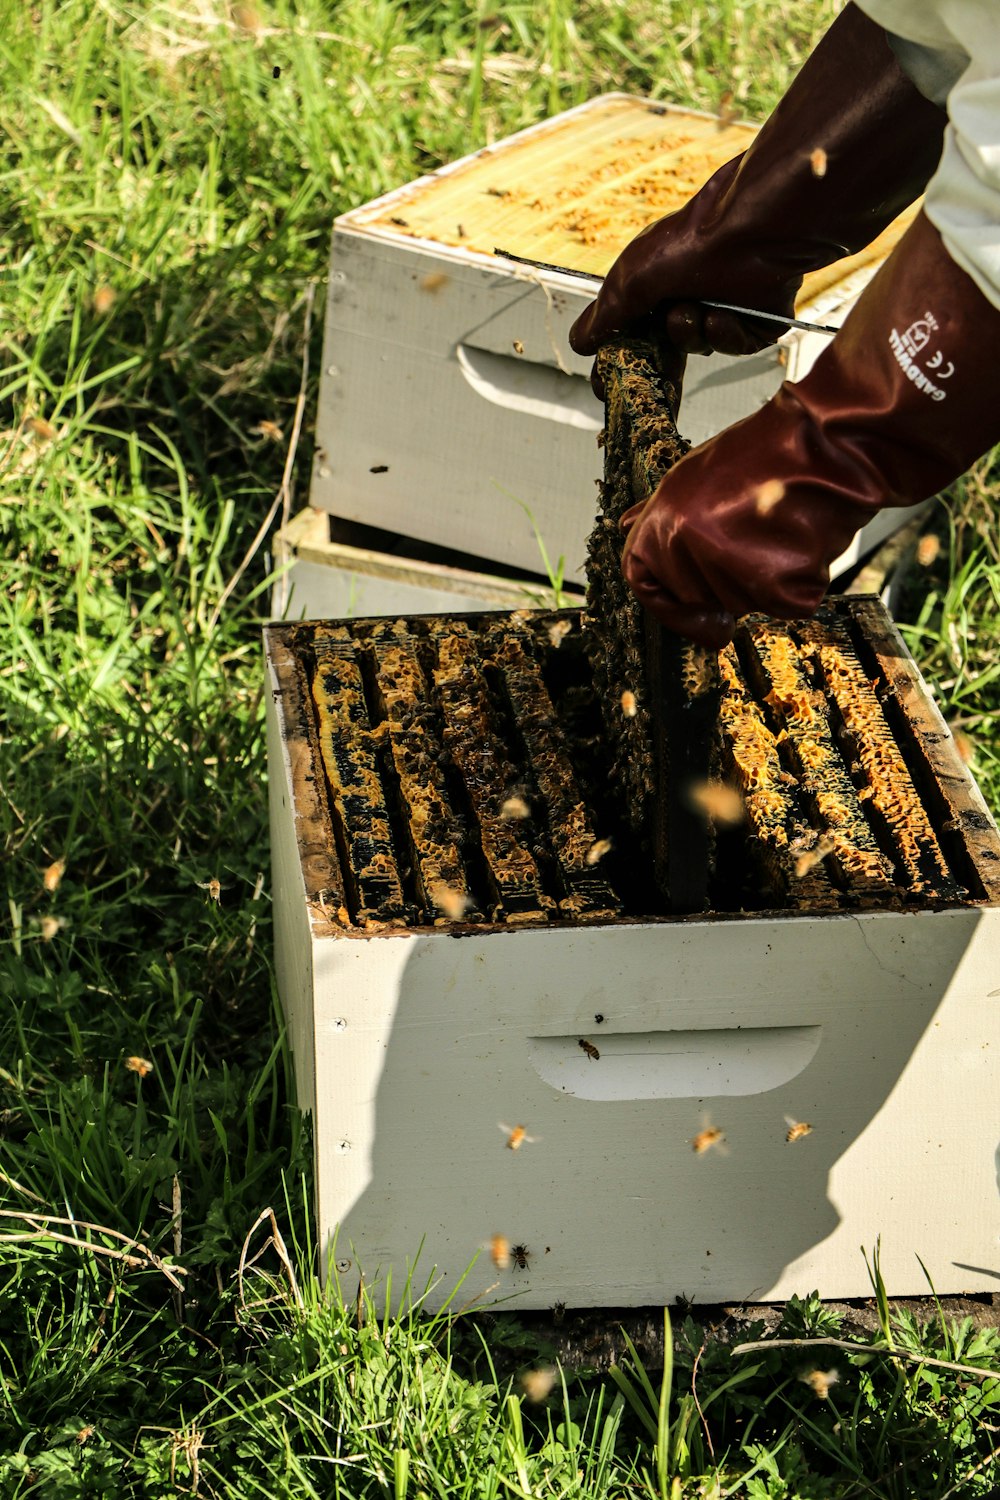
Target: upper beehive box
449, 390
576, 189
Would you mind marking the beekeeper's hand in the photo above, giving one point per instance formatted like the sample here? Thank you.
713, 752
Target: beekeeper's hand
902, 401
848, 147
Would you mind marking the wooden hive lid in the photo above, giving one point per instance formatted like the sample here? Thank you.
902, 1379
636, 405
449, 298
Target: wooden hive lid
574, 190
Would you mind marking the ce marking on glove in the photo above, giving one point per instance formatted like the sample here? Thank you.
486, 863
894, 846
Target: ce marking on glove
913, 342
935, 364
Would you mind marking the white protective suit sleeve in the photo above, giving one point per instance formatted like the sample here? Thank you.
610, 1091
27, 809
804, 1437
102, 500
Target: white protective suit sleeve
951, 50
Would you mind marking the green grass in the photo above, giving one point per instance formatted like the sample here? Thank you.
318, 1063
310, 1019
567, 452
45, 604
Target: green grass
166, 204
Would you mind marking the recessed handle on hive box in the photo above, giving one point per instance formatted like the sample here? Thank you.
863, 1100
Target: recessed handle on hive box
536, 390
698, 1064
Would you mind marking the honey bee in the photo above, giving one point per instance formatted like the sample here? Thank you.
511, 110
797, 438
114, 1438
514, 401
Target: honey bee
246, 17
767, 496
52, 874
453, 903
269, 430
140, 1065
514, 808
629, 706
718, 800
536, 1384
597, 851
817, 160
589, 1048
797, 1130
707, 1138
214, 889
521, 1255
558, 631
518, 347
810, 858
500, 1251
85, 1434
433, 281
104, 300
928, 548
50, 927
727, 111
820, 1381
517, 1136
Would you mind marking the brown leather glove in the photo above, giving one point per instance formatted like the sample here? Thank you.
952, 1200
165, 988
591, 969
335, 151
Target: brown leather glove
767, 217
902, 401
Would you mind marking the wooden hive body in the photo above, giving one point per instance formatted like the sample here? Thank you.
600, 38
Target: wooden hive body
874, 1019
449, 393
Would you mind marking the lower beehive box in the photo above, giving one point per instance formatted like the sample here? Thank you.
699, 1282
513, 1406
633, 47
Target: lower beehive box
317, 578
505, 1040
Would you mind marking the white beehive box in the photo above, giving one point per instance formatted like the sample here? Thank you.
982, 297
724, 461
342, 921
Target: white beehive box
881, 1029
317, 579
449, 392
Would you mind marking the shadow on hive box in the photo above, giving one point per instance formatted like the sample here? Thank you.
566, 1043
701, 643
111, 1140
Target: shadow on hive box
872, 1028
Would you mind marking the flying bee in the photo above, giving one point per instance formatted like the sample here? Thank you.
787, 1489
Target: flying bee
500, 1251
513, 808
103, 300
928, 548
516, 1136
817, 161
727, 110
629, 705
140, 1065
558, 631
453, 903
589, 1048
708, 1136
810, 858
820, 1381
768, 495
797, 1130
521, 1255
52, 874
537, 1384
718, 800
597, 851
